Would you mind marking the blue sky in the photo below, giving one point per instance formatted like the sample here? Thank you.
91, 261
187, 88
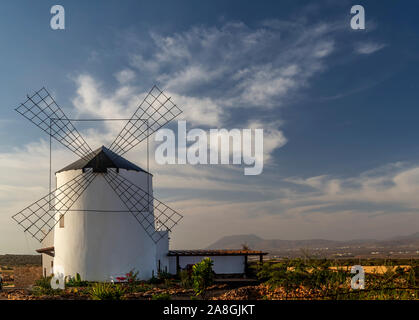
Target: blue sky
337, 105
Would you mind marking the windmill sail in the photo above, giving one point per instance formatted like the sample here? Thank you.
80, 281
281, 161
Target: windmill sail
153, 215
42, 110
39, 218
155, 111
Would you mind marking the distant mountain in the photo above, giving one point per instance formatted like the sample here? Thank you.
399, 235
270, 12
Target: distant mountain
255, 242
258, 243
414, 236
236, 241
411, 240
20, 260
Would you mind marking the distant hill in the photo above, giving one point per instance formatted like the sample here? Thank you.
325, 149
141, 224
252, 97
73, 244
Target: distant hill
255, 242
20, 260
258, 243
414, 236
236, 241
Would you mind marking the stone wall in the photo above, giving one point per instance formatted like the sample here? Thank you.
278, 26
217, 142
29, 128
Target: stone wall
25, 276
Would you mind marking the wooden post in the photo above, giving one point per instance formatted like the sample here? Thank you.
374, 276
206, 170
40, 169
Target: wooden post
261, 258
246, 270
177, 265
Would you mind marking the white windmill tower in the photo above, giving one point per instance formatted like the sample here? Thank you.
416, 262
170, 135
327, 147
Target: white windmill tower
102, 217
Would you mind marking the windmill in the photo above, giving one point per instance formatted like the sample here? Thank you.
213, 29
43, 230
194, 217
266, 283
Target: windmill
99, 178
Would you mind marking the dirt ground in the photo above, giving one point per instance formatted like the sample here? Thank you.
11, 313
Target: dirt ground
220, 288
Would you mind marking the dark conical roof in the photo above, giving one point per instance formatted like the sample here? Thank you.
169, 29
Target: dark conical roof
100, 160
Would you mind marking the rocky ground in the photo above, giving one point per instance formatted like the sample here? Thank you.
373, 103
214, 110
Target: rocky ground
216, 292
264, 292
176, 293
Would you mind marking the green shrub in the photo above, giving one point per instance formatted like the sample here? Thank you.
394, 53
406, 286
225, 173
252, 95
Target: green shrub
168, 283
43, 287
202, 276
44, 282
132, 276
76, 281
294, 274
416, 270
142, 287
271, 271
39, 291
106, 291
163, 275
132, 281
411, 278
161, 296
186, 279
154, 280
315, 279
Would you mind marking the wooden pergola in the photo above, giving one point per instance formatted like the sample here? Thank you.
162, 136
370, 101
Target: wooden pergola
48, 251
208, 253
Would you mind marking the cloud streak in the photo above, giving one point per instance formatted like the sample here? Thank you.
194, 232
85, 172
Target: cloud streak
238, 66
369, 47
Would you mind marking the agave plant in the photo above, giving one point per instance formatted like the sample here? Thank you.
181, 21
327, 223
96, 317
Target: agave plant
106, 291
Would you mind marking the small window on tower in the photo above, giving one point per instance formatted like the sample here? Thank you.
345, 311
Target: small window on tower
61, 221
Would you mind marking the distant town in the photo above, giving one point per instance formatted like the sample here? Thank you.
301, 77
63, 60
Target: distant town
402, 247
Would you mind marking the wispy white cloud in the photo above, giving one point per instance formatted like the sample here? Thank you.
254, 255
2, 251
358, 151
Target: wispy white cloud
369, 47
199, 111
126, 75
237, 65
388, 185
